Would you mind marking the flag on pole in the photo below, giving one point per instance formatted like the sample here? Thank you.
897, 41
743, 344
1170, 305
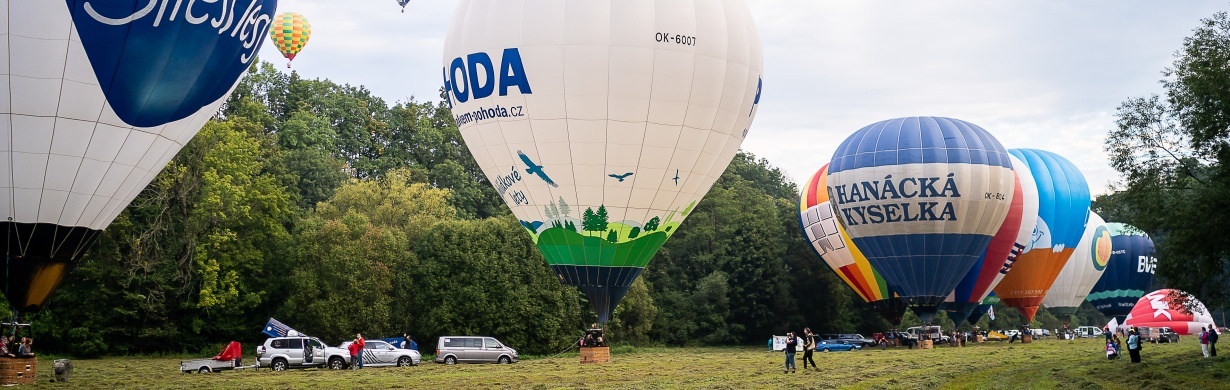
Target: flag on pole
275, 328
991, 313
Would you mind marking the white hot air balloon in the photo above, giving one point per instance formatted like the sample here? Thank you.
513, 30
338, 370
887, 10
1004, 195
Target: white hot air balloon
1082, 270
97, 96
602, 122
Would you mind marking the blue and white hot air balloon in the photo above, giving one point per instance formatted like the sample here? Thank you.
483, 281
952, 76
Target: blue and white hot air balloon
97, 96
922, 197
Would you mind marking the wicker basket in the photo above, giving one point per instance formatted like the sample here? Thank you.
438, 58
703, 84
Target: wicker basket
595, 355
18, 371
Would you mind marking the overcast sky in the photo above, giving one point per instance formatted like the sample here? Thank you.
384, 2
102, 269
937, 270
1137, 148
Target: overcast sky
1036, 74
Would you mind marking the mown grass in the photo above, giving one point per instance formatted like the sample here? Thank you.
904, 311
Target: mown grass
1046, 364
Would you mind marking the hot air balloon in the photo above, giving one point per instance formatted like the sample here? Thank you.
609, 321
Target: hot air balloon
1171, 308
403, 3
990, 268
1082, 270
1063, 208
833, 245
104, 95
921, 197
290, 33
1128, 275
602, 123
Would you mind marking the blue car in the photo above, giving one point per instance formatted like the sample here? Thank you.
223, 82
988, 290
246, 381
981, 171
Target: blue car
834, 345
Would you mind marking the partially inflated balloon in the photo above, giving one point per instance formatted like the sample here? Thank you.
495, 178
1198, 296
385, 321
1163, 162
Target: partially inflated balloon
1175, 309
833, 245
1082, 270
1128, 275
99, 96
1063, 209
988, 271
922, 198
290, 34
982, 309
602, 123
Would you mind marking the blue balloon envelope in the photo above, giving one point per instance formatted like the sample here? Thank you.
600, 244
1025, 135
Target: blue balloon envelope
1129, 273
922, 197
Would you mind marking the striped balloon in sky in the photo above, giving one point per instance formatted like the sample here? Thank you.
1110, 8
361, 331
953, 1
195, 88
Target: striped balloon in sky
1129, 273
1082, 270
1063, 208
827, 238
290, 33
922, 197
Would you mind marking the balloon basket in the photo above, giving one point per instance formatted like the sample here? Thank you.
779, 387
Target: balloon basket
17, 371
979, 339
1027, 338
595, 355
926, 344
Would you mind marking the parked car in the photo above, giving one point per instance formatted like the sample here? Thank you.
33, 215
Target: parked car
281, 353
836, 345
379, 353
856, 338
1040, 332
473, 349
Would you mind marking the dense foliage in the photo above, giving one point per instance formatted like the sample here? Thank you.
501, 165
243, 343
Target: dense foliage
1174, 154
335, 212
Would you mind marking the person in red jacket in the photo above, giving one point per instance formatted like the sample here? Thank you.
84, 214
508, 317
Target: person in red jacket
354, 354
362, 343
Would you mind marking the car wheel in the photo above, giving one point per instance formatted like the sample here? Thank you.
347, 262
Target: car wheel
203, 370
337, 363
505, 360
403, 361
824, 350
279, 364
450, 360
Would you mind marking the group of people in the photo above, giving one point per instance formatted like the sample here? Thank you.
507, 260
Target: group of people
593, 337
23, 348
356, 351
1114, 345
809, 347
1208, 341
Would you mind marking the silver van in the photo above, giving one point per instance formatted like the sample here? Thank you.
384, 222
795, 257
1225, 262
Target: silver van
473, 349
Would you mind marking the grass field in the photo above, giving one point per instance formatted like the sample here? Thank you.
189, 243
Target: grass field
1045, 364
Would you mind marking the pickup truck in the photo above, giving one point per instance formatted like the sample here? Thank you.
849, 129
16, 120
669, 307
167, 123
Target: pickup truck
230, 358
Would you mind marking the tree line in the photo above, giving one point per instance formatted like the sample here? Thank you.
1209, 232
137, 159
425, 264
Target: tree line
336, 212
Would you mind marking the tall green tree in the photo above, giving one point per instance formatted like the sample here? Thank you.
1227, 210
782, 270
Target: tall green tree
1174, 154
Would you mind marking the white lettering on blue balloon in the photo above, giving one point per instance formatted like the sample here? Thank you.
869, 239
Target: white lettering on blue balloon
252, 26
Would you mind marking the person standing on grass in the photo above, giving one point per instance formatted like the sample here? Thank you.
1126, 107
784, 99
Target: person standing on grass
1134, 345
354, 354
791, 343
1212, 341
1204, 341
809, 346
362, 344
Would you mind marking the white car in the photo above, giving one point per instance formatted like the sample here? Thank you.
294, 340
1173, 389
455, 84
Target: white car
281, 353
378, 353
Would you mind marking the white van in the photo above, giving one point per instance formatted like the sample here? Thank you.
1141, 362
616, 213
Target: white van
933, 333
1088, 331
473, 349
